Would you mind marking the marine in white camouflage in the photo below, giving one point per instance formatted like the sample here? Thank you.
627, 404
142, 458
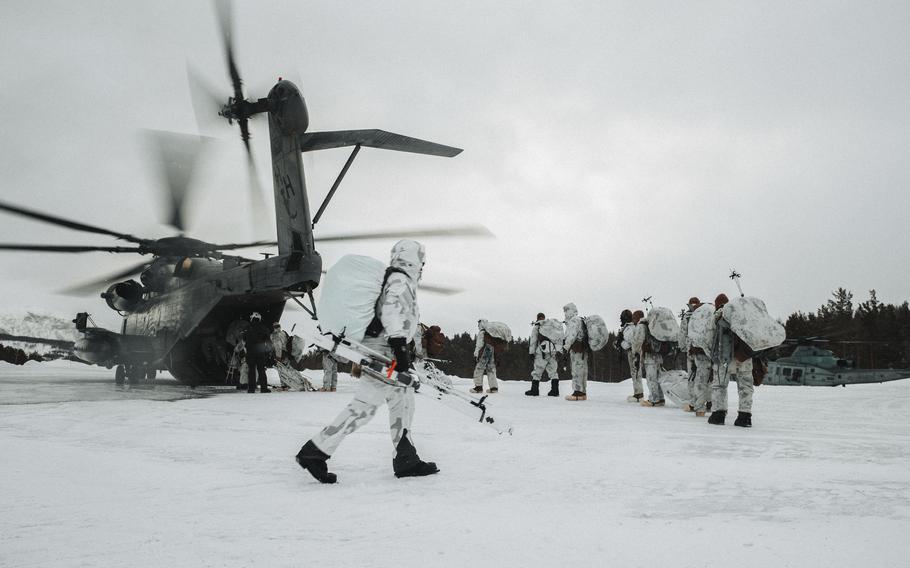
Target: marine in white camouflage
399, 317
652, 360
577, 348
625, 336
684, 344
543, 351
486, 360
727, 367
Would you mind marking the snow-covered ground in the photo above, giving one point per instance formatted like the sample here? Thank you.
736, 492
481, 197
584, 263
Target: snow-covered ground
823, 479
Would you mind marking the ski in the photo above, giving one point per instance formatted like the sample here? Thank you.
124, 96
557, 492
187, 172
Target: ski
425, 378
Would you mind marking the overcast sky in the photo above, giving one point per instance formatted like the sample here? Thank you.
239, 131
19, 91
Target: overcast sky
616, 149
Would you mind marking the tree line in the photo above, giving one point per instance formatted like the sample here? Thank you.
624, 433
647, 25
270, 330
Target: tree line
872, 334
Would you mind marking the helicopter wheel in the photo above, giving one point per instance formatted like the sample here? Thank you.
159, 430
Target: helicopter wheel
119, 375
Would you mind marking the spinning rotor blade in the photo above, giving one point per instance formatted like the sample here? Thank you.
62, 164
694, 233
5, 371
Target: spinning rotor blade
66, 223
456, 231
441, 290
66, 248
223, 10
206, 102
257, 202
177, 157
433, 288
244, 245
94, 287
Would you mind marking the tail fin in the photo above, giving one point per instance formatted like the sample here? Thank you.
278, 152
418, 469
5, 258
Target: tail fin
373, 139
292, 209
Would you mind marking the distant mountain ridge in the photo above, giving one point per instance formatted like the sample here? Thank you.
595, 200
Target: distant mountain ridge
32, 323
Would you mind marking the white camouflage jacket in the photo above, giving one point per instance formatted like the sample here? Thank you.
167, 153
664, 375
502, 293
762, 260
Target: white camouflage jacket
398, 309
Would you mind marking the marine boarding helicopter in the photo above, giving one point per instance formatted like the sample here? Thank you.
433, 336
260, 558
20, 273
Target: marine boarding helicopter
177, 315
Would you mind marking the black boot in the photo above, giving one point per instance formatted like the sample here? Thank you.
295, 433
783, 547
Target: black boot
744, 419
718, 417
535, 389
407, 463
314, 460
554, 387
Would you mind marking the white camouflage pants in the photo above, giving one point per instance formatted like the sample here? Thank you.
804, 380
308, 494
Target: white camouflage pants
371, 394
635, 370
739, 372
579, 365
652, 364
489, 369
329, 372
701, 385
544, 363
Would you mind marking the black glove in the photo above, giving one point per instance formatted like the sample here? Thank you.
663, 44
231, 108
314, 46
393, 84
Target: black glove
402, 355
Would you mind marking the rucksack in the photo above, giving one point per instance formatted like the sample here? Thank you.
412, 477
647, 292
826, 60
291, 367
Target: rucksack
551, 330
701, 328
348, 295
596, 332
749, 319
499, 345
663, 325
497, 334
433, 341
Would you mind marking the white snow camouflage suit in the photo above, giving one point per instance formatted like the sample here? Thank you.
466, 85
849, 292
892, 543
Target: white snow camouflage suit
683, 344
633, 355
486, 359
544, 352
698, 365
726, 367
577, 348
397, 310
651, 361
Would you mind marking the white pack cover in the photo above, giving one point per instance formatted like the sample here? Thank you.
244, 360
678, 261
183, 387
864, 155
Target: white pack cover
663, 325
498, 329
701, 327
597, 332
675, 385
552, 329
749, 319
349, 291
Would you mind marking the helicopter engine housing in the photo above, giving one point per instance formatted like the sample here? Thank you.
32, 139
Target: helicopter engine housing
124, 296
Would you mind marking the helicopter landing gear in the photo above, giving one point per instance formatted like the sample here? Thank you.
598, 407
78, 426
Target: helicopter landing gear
135, 374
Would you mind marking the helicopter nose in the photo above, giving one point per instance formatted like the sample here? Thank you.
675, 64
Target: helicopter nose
289, 108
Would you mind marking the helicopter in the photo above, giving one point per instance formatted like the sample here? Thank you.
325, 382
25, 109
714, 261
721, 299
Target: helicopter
177, 315
811, 365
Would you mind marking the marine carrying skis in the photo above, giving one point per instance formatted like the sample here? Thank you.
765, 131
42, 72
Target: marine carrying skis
424, 378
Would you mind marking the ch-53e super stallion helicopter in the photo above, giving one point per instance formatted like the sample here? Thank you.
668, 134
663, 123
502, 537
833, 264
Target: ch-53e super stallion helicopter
177, 315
